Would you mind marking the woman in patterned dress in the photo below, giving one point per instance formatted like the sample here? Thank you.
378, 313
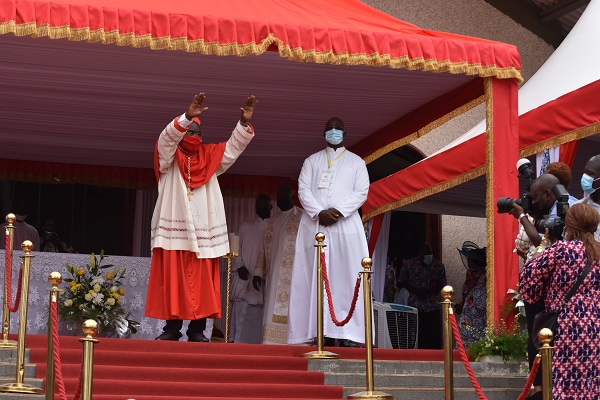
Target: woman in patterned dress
552, 273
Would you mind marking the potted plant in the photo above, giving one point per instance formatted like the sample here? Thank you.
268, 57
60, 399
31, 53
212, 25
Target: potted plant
94, 293
508, 345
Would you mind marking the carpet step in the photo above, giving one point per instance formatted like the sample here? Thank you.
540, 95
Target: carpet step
177, 360
140, 389
120, 397
197, 374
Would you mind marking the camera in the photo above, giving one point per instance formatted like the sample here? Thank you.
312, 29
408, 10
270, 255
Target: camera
556, 226
505, 204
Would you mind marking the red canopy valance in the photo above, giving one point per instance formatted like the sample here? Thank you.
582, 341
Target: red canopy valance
311, 30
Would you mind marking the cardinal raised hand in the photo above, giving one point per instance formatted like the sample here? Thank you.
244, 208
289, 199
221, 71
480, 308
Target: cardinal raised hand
195, 109
247, 110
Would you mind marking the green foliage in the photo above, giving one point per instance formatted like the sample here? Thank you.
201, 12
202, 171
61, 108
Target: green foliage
499, 341
93, 293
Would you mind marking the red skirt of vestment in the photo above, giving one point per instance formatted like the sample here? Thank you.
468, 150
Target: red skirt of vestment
182, 286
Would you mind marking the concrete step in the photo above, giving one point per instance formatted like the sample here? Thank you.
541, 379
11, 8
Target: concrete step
424, 380
415, 367
9, 369
438, 393
10, 355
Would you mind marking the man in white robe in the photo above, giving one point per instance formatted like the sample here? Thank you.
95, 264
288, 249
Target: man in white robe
22, 230
276, 266
246, 301
333, 184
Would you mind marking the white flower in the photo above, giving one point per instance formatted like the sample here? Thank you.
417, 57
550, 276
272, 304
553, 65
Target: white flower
97, 280
97, 288
68, 303
88, 296
97, 298
110, 301
114, 289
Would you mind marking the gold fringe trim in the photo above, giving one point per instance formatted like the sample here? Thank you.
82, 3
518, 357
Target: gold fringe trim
424, 130
295, 54
489, 201
467, 176
566, 137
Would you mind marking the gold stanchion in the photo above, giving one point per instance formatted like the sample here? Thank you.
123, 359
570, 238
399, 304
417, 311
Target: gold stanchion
90, 328
370, 393
447, 292
545, 336
19, 386
229, 256
54, 279
5, 343
320, 353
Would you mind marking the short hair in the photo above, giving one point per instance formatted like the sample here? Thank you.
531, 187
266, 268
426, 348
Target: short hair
561, 171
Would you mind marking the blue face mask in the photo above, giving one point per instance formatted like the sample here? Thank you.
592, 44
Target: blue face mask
587, 183
334, 136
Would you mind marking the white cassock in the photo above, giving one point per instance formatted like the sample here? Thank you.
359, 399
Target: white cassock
247, 302
276, 267
336, 180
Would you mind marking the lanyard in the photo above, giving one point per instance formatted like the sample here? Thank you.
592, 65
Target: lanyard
329, 162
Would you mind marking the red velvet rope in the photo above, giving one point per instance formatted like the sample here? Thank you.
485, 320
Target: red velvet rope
465, 360
534, 370
330, 300
8, 279
56, 352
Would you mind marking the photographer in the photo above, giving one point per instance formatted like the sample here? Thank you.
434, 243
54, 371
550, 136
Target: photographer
50, 240
542, 201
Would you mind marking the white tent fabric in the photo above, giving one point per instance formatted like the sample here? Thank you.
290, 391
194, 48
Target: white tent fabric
574, 64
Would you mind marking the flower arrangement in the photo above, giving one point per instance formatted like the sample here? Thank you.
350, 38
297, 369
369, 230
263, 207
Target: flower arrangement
500, 341
94, 294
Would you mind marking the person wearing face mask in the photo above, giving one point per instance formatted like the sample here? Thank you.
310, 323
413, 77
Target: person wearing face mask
246, 302
188, 229
424, 277
333, 184
23, 231
590, 183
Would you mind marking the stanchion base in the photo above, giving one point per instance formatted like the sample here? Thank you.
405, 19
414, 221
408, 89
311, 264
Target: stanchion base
20, 388
8, 344
371, 395
321, 354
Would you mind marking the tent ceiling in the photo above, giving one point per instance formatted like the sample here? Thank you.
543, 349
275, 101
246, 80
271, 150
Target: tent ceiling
82, 103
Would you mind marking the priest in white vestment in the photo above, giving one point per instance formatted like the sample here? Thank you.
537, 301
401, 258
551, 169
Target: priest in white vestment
333, 184
246, 301
276, 265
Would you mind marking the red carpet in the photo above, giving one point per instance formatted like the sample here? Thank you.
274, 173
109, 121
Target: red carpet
159, 370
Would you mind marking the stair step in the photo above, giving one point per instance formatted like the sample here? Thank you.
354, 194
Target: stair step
424, 380
438, 393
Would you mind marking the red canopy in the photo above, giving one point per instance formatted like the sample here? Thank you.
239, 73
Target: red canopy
91, 105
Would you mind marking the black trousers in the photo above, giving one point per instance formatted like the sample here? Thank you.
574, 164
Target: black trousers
430, 330
530, 311
175, 325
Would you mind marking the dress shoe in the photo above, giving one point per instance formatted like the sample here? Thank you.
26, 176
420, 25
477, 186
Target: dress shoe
169, 336
196, 337
347, 343
327, 341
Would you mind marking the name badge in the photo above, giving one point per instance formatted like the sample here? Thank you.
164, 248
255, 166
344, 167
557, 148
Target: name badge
325, 180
